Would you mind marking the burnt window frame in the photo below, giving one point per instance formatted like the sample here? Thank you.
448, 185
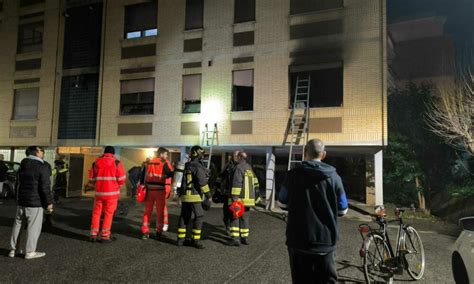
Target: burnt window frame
35, 39
187, 25
143, 32
338, 102
139, 97
242, 18
188, 103
234, 98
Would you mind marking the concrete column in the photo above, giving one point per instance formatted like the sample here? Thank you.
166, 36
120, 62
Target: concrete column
270, 179
374, 178
183, 153
378, 169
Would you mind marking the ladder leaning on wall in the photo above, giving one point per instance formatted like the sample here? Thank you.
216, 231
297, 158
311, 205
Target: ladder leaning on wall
209, 139
296, 134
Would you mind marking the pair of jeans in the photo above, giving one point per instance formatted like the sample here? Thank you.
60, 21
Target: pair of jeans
312, 268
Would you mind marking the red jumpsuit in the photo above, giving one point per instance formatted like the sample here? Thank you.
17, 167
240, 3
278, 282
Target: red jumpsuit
108, 175
157, 177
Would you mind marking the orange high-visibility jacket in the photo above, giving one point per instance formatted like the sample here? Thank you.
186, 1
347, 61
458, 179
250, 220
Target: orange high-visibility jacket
157, 177
108, 177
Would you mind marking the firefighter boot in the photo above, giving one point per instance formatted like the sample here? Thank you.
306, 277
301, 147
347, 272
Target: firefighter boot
244, 241
197, 244
184, 242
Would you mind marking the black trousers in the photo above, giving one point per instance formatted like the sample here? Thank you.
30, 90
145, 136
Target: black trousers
240, 227
186, 228
312, 268
226, 213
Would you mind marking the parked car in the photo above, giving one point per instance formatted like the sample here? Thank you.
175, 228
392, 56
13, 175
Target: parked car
463, 255
9, 187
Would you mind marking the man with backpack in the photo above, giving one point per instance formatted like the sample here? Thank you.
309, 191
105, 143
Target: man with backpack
156, 178
194, 187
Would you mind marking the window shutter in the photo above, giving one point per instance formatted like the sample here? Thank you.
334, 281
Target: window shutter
141, 17
26, 103
137, 86
192, 87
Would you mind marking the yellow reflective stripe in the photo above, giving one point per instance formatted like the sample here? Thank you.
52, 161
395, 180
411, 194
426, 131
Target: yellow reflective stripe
244, 230
234, 234
191, 198
234, 229
236, 191
196, 231
248, 202
205, 189
63, 170
107, 193
255, 182
244, 235
246, 188
181, 230
197, 237
181, 236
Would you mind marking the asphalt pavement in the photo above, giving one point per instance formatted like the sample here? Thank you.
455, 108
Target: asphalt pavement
71, 258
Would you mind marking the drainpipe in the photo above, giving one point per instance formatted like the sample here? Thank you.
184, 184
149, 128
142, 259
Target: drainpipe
102, 71
55, 77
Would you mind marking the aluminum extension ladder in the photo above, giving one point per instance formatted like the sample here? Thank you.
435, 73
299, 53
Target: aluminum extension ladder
296, 134
209, 139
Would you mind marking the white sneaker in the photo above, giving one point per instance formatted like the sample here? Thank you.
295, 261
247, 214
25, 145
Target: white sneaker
13, 252
165, 227
31, 255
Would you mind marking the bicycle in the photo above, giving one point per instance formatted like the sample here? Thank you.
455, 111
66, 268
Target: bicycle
380, 261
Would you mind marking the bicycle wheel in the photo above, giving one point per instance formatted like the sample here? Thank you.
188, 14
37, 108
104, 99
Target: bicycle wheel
414, 253
375, 257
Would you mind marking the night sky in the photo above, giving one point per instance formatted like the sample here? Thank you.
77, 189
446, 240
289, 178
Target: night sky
460, 16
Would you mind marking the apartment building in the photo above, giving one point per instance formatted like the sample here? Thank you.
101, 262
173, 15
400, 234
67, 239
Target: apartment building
76, 75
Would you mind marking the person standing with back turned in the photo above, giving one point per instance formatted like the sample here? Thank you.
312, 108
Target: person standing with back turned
314, 197
108, 175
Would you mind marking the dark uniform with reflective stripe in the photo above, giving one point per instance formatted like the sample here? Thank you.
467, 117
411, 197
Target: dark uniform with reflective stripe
226, 177
244, 185
195, 185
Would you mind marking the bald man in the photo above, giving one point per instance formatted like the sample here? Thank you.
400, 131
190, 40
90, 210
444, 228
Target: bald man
314, 195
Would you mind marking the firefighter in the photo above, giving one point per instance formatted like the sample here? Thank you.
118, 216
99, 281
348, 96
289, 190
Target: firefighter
226, 177
157, 175
244, 186
194, 187
108, 175
59, 174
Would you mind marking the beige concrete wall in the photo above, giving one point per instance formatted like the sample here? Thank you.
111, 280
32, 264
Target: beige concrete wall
46, 85
363, 42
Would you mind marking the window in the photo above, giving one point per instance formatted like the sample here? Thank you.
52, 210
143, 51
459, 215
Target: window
26, 104
30, 37
192, 93
326, 87
24, 3
141, 20
194, 14
137, 96
304, 6
242, 90
244, 11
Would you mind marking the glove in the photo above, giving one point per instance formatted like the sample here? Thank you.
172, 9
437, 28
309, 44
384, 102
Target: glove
206, 204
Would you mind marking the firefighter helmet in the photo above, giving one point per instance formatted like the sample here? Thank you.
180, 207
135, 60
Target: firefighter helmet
237, 208
197, 151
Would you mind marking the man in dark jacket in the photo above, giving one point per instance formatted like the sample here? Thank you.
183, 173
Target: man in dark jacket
3, 174
314, 197
194, 187
226, 178
33, 195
